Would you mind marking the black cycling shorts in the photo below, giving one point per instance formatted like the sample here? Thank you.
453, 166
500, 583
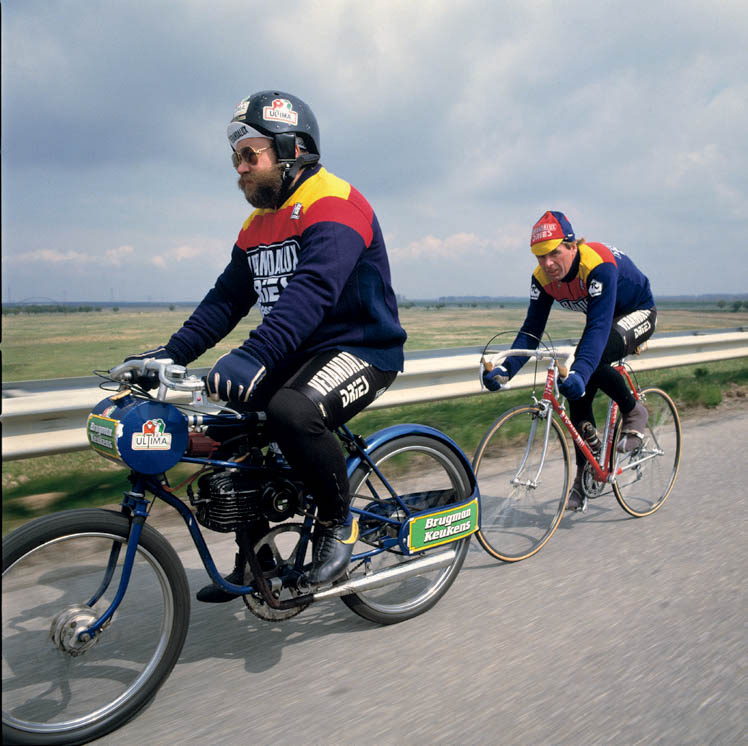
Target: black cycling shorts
340, 385
628, 332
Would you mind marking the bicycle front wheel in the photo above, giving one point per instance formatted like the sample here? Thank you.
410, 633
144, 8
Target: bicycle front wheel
425, 473
646, 475
56, 688
524, 482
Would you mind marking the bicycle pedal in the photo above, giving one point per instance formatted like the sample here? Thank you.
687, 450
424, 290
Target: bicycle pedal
583, 507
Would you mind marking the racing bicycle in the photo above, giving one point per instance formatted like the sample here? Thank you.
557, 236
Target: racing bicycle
96, 603
523, 461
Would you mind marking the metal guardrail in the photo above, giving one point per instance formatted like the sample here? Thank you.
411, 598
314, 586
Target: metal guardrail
47, 417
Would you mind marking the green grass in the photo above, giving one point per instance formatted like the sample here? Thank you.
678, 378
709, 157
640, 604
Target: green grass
37, 486
57, 345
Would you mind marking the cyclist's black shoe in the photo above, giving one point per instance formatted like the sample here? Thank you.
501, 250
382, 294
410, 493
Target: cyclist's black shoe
332, 547
577, 501
212, 594
633, 426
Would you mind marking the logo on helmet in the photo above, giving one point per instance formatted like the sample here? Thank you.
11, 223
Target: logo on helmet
241, 108
281, 110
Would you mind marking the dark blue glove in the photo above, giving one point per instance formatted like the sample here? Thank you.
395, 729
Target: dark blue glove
234, 376
148, 380
494, 379
572, 387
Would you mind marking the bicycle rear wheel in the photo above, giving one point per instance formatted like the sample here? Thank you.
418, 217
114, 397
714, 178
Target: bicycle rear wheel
524, 485
56, 688
425, 473
649, 472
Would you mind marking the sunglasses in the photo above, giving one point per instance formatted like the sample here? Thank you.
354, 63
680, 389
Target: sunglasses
249, 155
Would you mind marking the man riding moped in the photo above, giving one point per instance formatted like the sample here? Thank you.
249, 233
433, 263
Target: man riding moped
312, 256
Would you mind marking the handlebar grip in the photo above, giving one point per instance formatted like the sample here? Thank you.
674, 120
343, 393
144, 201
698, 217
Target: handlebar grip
487, 364
563, 371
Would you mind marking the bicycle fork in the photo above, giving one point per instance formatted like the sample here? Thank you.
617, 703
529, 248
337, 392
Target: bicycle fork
533, 482
75, 628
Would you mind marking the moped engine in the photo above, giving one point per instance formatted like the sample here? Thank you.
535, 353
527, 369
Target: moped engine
229, 498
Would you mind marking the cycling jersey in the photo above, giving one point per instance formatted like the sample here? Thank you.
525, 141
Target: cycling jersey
603, 283
318, 269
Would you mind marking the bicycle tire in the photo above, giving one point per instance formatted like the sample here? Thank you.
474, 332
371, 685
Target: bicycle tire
412, 464
52, 568
520, 510
651, 470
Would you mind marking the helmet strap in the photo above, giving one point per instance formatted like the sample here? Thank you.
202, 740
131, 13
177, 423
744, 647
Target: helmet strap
290, 171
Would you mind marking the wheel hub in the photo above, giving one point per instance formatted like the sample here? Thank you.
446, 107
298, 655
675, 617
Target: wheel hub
67, 626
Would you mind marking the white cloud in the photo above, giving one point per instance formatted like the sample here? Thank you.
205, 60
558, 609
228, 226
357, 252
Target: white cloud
110, 257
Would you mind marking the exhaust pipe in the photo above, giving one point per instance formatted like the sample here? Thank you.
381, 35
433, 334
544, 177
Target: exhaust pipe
390, 575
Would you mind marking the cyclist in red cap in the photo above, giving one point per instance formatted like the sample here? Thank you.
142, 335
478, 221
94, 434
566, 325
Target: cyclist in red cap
604, 284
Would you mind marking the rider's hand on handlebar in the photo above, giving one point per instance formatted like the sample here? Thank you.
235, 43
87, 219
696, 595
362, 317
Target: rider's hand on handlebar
148, 380
494, 379
572, 387
234, 376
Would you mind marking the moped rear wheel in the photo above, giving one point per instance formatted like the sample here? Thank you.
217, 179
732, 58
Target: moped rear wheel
56, 688
426, 473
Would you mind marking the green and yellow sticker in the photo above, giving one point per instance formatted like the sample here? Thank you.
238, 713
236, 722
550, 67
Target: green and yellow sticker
443, 526
102, 435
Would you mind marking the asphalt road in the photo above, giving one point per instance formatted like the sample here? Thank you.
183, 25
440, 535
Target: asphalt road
621, 630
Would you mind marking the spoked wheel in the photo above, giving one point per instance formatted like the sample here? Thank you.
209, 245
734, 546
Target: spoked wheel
426, 474
524, 484
58, 689
649, 472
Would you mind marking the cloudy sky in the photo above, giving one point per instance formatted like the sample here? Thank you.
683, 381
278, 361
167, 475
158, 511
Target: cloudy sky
461, 122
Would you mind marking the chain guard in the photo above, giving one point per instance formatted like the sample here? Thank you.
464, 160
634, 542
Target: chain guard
254, 601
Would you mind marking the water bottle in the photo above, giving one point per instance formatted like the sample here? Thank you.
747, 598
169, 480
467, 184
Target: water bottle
589, 433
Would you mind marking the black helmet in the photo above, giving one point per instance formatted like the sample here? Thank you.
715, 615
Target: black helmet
283, 118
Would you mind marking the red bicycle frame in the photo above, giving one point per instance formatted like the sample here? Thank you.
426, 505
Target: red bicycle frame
602, 474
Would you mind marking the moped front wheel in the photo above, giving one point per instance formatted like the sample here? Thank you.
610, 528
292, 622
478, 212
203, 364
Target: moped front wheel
426, 474
60, 573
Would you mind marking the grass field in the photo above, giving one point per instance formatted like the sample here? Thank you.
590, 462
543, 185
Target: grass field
58, 345
64, 345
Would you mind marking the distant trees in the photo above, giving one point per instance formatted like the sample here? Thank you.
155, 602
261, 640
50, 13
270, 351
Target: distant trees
733, 306
51, 308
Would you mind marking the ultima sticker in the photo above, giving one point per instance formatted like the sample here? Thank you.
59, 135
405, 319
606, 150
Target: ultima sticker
152, 437
281, 110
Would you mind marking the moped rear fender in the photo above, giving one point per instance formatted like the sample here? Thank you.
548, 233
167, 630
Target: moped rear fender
387, 434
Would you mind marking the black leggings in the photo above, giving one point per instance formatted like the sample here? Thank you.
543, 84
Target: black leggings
628, 332
303, 412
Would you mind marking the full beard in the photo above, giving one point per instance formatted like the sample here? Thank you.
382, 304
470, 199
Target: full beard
262, 188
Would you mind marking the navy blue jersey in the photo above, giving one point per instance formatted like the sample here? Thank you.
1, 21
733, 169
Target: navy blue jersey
318, 269
603, 283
